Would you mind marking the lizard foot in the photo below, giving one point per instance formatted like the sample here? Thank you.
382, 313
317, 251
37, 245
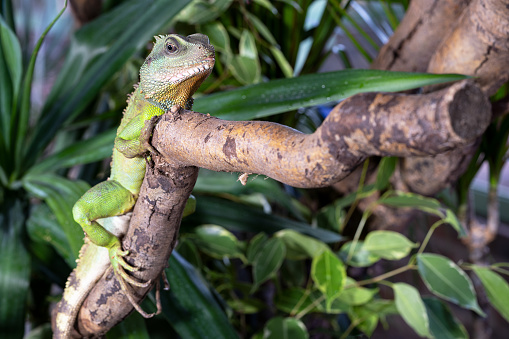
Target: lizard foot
119, 266
146, 134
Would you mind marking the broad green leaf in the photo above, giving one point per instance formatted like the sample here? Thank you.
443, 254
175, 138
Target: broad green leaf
14, 270
299, 246
442, 323
385, 170
247, 45
367, 319
246, 218
268, 261
278, 328
329, 275
282, 95
411, 308
356, 296
217, 242
388, 245
189, 251
496, 289
245, 69
413, 200
255, 246
218, 36
360, 257
190, 307
445, 279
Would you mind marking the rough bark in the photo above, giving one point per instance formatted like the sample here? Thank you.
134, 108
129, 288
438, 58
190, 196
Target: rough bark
150, 240
420, 32
361, 126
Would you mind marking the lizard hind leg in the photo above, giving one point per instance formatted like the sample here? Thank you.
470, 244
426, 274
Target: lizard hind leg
107, 199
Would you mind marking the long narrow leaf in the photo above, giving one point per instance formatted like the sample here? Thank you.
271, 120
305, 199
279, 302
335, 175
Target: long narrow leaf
190, 307
24, 113
211, 210
14, 270
282, 95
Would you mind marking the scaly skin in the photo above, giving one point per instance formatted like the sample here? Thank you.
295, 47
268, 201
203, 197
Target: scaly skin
169, 77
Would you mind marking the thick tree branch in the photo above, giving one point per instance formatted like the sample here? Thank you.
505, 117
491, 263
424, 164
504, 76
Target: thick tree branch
364, 125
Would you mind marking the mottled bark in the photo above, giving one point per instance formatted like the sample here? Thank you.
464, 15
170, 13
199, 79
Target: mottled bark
150, 240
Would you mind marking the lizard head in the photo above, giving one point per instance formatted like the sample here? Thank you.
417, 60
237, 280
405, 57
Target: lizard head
175, 69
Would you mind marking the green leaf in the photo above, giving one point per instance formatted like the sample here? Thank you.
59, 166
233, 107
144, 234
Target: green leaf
445, 279
218, 36
134, 326
268, 261
282, 61
245, 69
190, 307
451, 219
14, 268
246, 218
328, 274
203, 11
10, 80
255, 246
60, 194
360, 257
246, 306
42, 225
366, 319
295, 300
356, 296
496, 289
442, 323
299, 246
218, 242
247, 45
278, 327
82, 152
282, 95
261, 28
385, 170
411, 307
388, 245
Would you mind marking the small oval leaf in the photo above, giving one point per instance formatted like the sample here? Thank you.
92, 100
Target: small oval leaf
268, 261
278, 328
411, 307
445, 279
299, 246
388, 245
496, 289
329, 275
217, 242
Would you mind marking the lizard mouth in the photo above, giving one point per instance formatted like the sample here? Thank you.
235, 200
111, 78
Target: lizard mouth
205, 66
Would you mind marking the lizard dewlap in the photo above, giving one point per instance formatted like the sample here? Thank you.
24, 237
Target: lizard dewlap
169, 77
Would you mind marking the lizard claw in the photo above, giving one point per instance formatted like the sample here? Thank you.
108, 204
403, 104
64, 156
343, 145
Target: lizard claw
120, 265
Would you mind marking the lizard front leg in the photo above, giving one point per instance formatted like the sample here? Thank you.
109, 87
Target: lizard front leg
107, 199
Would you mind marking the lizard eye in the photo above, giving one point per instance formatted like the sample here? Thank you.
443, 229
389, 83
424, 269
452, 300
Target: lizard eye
171, 48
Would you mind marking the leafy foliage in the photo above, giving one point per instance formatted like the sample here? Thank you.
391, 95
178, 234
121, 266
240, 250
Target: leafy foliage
248, 251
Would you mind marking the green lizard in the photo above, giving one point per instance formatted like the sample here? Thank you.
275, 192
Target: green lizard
169, 77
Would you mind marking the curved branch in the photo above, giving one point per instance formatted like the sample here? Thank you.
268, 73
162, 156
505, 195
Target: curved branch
363, 125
